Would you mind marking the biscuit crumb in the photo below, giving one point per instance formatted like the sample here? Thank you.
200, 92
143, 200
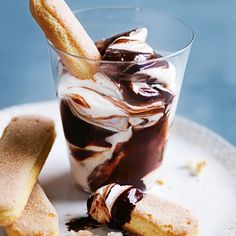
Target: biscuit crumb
114, 234
51, 215
195, 168
160, 181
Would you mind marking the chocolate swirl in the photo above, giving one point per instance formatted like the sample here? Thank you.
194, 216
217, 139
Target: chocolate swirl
106, 117
123, 198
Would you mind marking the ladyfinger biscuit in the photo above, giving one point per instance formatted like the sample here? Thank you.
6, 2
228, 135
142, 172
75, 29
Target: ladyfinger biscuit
156, 216
24, 147
65, 32
129, 208
38, 218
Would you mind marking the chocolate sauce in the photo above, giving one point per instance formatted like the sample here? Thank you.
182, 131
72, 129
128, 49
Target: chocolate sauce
79, 132
122, 70
130, 162
82, 223
143, 152
125, 55
144, 95
80, 153
123, 206
133, 68
120, 212
104, 43
87, 223
103, 172
125, 71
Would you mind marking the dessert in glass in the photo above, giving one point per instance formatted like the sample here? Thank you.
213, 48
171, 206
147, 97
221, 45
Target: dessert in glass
117, 115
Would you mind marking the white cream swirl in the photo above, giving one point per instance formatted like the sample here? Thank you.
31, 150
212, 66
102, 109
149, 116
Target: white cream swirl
106, 106
135, 42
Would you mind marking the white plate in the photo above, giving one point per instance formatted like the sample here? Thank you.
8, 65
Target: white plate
211, 195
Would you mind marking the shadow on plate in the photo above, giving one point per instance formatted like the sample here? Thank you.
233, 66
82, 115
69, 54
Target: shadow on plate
63, 188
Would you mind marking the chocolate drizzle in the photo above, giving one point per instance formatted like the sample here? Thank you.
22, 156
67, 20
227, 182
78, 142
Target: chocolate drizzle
145, 95
122, 70
125, 55
120, 212
123, 206
86, 223
142, 156
104, 43
79, 132
82, 223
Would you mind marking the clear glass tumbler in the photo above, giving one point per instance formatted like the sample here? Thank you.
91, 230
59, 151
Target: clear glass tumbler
116, 123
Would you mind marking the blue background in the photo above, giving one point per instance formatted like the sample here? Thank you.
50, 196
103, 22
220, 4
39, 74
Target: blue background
208, 93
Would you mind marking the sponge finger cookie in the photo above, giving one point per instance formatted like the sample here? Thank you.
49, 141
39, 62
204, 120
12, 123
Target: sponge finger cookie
24, 147
141, 214
38, 218
156, 216
66, 33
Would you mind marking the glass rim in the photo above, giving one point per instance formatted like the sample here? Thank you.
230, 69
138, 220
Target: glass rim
171, 55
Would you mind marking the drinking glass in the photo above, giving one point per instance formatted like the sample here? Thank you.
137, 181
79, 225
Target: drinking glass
114, 134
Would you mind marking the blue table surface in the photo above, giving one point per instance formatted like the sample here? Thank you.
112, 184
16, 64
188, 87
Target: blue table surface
208, 93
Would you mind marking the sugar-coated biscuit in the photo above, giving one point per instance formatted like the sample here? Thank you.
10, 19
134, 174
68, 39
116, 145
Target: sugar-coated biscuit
24, 147
66, 33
